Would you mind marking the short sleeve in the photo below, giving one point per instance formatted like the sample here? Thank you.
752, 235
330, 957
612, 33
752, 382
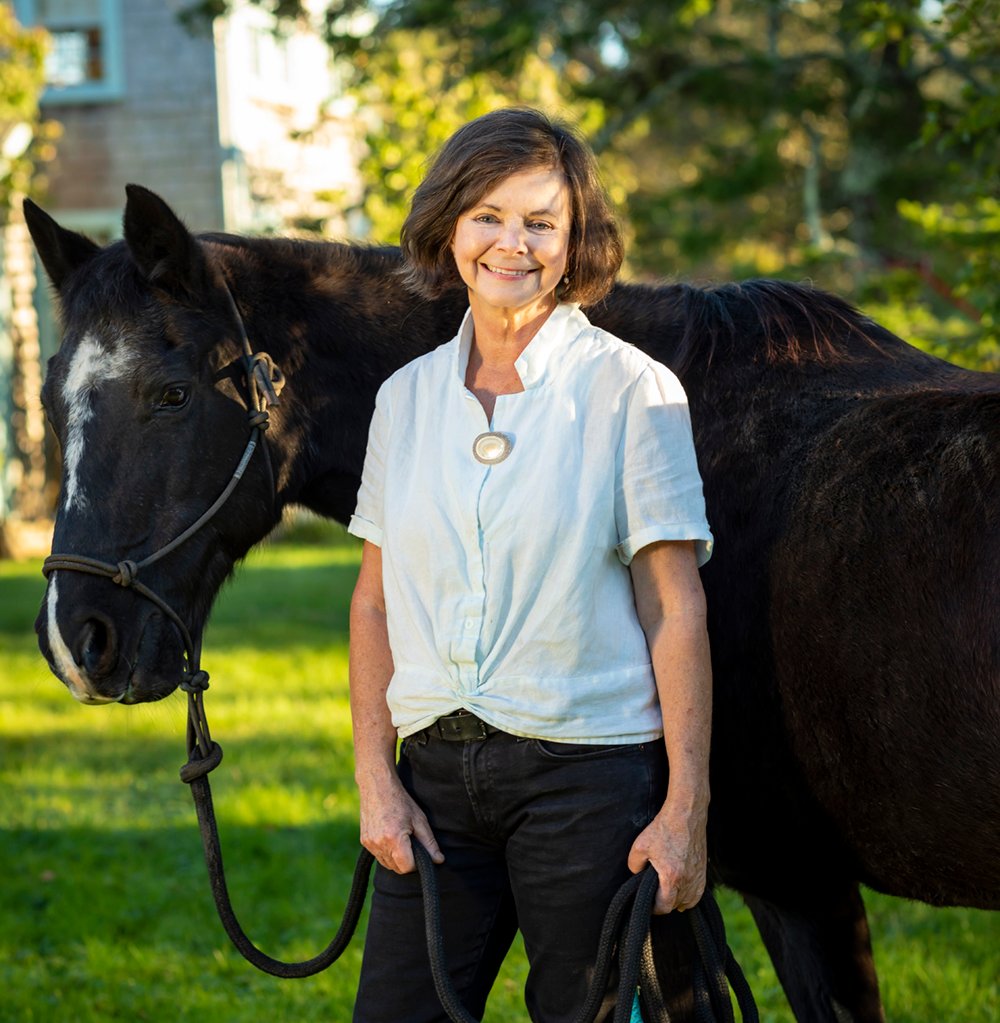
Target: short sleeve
658, 489
366, 522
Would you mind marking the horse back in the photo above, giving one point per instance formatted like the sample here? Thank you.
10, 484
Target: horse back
885, 627
853, 486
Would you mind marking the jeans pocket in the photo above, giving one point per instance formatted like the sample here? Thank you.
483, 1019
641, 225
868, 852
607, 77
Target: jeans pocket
585, 751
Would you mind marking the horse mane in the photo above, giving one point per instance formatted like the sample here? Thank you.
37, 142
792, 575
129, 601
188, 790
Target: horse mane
349, 257
766, 320
784, 322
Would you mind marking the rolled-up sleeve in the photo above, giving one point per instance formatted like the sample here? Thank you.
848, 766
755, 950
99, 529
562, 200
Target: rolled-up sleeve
658, 489
367, 520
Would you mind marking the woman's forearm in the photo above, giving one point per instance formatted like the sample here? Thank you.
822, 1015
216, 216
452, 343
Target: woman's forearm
682, 667
671, 608
370, 672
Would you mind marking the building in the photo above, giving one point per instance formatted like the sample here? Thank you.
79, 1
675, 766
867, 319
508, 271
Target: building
238, 122
221, 118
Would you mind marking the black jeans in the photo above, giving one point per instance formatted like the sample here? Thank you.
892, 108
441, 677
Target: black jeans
536, 835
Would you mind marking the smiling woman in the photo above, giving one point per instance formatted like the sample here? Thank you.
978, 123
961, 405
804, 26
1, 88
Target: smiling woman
528, 618
511, 249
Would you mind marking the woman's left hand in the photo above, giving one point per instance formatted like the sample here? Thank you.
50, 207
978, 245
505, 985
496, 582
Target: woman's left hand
677, 849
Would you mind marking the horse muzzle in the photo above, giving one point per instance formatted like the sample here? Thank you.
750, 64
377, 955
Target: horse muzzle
113, 649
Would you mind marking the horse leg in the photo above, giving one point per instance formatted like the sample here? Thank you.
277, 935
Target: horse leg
674, 954
822, 954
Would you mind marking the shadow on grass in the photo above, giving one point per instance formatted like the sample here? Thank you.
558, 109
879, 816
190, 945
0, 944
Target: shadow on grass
20, 599
119, 923
150, 884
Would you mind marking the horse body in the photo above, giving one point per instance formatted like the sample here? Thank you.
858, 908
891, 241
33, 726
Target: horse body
853, 484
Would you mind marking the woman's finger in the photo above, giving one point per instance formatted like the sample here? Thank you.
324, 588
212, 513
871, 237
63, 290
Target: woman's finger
423, 834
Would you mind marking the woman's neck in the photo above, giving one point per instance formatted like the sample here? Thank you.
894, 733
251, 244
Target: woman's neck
500, 335
497, 342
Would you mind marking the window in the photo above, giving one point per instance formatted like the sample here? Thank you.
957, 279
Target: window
84, 63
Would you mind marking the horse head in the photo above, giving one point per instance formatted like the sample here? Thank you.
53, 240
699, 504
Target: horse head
148, 395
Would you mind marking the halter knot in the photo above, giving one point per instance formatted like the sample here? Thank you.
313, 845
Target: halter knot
195, 682
125, 576
264, 377
198, 767
259, 420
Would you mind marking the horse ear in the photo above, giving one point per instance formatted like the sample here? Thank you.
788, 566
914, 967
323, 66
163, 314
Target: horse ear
60, 251
166, 253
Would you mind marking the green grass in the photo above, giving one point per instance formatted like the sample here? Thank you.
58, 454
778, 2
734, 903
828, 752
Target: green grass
105, 911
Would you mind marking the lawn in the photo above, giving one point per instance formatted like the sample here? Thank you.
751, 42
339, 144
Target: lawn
105, 911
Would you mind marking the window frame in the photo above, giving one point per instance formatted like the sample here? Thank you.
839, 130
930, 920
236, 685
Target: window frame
109, 20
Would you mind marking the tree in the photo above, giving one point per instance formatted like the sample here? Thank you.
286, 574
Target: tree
24, 140
22, 136
963, 226
413, 91
851, 141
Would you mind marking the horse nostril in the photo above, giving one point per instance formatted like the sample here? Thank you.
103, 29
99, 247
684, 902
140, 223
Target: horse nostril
95, 648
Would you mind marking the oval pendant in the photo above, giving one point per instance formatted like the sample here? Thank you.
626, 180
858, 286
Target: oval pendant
490, 448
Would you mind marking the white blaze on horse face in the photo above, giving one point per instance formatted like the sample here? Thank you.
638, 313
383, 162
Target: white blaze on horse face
92, 364
69, 671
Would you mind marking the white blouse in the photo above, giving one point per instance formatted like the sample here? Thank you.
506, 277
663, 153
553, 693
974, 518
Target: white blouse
507, 590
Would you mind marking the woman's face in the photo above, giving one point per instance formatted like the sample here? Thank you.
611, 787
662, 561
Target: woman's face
511, 248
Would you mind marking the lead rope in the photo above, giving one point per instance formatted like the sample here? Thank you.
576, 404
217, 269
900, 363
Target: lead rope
716, 964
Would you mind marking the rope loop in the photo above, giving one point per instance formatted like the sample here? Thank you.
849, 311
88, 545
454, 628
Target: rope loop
125, 574
195, 681
198, 767
264, 378
259, 420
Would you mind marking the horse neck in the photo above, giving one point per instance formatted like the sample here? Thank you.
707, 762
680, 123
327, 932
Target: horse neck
337, 322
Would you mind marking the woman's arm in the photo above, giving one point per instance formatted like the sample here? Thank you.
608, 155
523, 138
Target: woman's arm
671, 607
388, 814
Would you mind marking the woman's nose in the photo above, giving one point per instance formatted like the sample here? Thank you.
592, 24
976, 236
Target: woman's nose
511, 238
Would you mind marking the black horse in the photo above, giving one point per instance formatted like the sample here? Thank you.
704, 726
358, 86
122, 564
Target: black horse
853, 484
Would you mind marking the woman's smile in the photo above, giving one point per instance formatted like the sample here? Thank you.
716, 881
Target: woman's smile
503, 271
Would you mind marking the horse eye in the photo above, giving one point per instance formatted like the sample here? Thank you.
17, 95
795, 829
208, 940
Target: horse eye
174, 397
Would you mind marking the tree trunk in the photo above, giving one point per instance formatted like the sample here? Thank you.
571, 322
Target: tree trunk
25, 493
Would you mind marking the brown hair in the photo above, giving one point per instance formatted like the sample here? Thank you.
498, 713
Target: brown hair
475, 160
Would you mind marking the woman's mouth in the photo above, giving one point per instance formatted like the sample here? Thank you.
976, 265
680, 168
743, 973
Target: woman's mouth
503, 271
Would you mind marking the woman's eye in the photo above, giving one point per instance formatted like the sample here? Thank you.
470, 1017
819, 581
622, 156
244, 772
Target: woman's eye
174, 397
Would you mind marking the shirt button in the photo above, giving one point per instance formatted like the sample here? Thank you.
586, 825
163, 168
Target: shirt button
468, 623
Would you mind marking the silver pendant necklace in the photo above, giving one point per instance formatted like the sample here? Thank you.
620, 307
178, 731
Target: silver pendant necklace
490, 448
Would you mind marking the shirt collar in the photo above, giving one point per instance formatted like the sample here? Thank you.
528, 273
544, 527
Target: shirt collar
564, 323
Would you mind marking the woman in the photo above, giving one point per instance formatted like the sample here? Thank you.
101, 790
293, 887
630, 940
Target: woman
528, 617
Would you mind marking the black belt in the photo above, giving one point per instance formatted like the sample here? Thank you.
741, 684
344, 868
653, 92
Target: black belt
462, 726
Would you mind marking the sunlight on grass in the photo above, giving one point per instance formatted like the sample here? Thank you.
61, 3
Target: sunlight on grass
105, 910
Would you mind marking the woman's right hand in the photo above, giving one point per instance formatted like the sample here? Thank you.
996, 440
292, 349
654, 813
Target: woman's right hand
390, 819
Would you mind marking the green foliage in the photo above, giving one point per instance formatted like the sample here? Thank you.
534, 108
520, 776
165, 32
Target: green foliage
787, 137
413, 89
22, 78
961, 132
854, 142
105, 909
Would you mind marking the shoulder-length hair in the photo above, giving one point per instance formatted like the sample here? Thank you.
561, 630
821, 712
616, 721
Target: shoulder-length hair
479, 156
